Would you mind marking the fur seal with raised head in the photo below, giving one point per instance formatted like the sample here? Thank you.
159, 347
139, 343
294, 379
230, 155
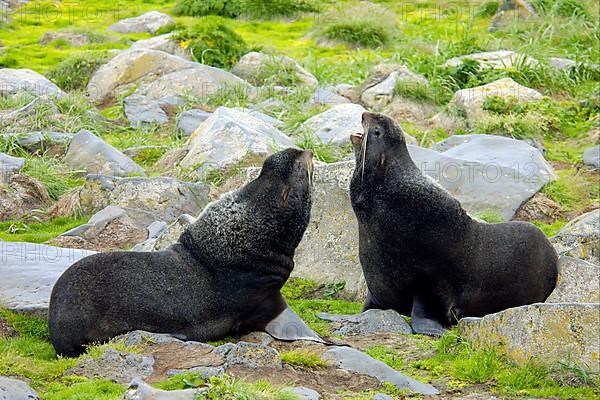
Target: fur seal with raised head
222, 277
423, 255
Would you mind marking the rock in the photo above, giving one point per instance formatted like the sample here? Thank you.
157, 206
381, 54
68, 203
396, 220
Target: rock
262, 338
248, 355
382, 396
471, 100
29, 271
547, 333
161, 43
38, 105
255, 68
167, 164
87, 151
305, 393
14, 81
380, 86
188, 121
168, 236
562, 64
230, 137
577, 282
263, 117
149, 22
336, 124
73, 38
591, 157
353, 360
580, 238
9, 166
539, 208
486, 173
138, 390
138, 338
370, 321
116, 366
327, 96
13, 389
498, 59
6, 331
513, 12
166, 198
109, 229
141, 110
130, 66
47, 142
22, 195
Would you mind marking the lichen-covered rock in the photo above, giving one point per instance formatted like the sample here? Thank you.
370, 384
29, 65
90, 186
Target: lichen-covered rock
20, 196
14, 389
578, 282
380, 86
249, 355
230, 136
256, 67
470, 101
13, 81
591, 157
494, 59
580, 238
116, 366
92, 154
149, 22
166, 198
336, 124
370, 321
548, 333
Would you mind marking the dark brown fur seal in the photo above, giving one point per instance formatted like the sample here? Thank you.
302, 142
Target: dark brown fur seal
222, 277
422, 255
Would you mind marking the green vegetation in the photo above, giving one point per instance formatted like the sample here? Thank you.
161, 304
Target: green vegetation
213, 42
252, 9
37, 232
307, 310
303, 358
198, 8
75, 72
491, 217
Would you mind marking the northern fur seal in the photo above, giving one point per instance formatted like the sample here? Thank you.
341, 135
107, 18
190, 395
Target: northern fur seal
222, 277
422, 255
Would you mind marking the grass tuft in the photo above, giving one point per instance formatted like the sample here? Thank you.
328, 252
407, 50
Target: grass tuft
303, 358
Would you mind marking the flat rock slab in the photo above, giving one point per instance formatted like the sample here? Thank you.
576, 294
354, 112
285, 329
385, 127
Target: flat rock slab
13, 389
353, 360
548, 333
29, 272
370, 321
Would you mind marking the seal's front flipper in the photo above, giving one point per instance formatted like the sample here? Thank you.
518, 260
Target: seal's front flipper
423, 322
288, 326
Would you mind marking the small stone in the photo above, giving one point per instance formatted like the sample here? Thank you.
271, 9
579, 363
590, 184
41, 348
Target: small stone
137, 338
306, 393
141, 110
370, 321
138, 390
116, 366
591, 157
382, 396
149, 22
189, 121
13, 389
562, 64
249, 355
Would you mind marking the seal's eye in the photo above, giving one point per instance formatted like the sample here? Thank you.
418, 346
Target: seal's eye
376, 132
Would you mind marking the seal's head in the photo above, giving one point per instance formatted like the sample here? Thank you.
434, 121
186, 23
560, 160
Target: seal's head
382, 141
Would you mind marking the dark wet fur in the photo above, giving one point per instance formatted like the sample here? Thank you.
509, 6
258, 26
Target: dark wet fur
223, 276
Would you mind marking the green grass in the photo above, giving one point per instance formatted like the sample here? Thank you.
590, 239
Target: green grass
491, 217
303, 358
307, 310
37, 232
571, 190
74, 73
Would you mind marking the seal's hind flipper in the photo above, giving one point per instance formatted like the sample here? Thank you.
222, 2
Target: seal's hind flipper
288, 326
422, 322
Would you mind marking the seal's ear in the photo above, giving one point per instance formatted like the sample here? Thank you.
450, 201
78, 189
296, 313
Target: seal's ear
284, 194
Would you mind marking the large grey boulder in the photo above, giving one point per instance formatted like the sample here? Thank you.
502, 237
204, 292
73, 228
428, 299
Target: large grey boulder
548, 333
498, 59
486, 173
370, 321
257, 67
188, 121
165, 198
14, 389
9, 166
14, 81
229, 137
149, 22
336, 124
164, 43
93, 155
471, 100
380, 87
578, 282
29, 271
352, 360
591, 157
580, 238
